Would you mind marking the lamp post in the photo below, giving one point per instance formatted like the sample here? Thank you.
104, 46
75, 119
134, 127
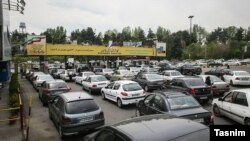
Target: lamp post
190, 17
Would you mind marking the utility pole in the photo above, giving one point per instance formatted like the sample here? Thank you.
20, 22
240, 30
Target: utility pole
190, 17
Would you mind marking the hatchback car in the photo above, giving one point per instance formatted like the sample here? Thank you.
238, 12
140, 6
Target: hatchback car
39, 79
174, 103
75, 112
94, 83
123, 92
51, 89
160, 127
169, 75
82, 76
234, 105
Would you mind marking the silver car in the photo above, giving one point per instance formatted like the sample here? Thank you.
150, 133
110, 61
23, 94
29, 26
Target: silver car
74, 112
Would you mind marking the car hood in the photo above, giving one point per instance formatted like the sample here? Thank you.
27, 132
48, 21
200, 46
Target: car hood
189, 112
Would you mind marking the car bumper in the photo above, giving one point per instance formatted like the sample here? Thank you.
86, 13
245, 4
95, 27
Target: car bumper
75, 129
132, 100
203, 97
245, 83
218, 91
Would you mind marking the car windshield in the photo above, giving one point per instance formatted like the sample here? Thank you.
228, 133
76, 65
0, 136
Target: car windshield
241, 73
98, 79
81, 106
215, 79
153, 77
182, 102
132, 87
107, 70
194, 82
58, 85
45, 77
175, 73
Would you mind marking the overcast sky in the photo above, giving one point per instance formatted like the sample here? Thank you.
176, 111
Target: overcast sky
102, 15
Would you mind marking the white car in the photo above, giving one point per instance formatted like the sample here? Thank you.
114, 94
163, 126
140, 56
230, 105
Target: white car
82, 76
94, 83
231, 63
169, 75
123, 92
237, 78
68, 75
134, 70
234, 105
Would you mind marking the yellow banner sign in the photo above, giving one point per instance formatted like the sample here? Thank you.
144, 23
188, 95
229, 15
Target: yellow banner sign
36, 45
98, 50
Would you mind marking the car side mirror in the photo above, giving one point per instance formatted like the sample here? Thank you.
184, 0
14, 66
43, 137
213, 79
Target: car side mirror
220, 99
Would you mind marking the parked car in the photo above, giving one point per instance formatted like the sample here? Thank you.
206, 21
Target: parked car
94, 83
234, 105
105, 72
39, 79
122, 75
68, 75
189, 69
150, 70
165, 66
193, 86
82, 76
74, 112
232, 63
169, 75
50, 89
123, 92
237, 78
134, 70
174, 103
214, 63
57, 73
149, 81
219, 72
217, 85
33, 74
160, 127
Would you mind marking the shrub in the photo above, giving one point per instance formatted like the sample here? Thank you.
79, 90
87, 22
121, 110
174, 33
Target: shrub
13, 93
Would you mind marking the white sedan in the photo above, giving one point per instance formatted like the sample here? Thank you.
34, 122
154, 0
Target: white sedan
123, 92
237, 78
82, 76
234, 105
169, 75
94, 83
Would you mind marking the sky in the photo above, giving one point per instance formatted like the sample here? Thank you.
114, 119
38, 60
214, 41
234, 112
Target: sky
103, 15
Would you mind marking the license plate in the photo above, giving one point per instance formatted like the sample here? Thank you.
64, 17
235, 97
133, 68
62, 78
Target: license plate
87, 119
199, 120
203, 97
135, 94
102, 84
244, 78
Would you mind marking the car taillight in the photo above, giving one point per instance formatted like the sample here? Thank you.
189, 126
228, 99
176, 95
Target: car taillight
192, 91
124, 94
94, 86
101, 115
211, 119
66, 120
46, 91
237, 78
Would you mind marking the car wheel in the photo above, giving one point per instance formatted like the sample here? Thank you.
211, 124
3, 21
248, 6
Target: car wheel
60, 131
216, 110
146, 88
103, 95
231, 83
247, 121
137, 113
119, 103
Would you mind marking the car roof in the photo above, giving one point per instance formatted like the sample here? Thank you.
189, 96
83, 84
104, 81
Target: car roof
158, 127
74, 96
125, 81
170, 93
187, 77
56, 81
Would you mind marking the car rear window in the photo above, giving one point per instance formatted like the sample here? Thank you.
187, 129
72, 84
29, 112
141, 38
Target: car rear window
194, 82
98, 79
182, 102
81, 106
57, 85
131, 87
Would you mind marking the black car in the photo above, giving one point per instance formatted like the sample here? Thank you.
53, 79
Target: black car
165, 66
189, 69
174, 103
219, 72
194, 86
160, 127
149, 81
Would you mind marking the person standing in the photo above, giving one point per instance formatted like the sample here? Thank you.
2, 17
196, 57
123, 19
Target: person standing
208, 81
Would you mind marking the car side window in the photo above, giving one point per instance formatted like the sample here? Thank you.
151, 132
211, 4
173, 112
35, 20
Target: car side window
59, 104
149, 99
116, 86
241, 99
105, 135
158, 103
110, 86
229, 98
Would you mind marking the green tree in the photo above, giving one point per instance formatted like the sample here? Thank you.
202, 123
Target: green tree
55, 36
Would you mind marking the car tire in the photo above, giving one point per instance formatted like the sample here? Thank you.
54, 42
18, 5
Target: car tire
216, 110
247, 121
103, 95
231, 83
60, 131
119, 103
146, 88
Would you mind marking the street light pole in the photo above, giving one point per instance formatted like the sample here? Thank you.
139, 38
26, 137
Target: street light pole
190, 17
